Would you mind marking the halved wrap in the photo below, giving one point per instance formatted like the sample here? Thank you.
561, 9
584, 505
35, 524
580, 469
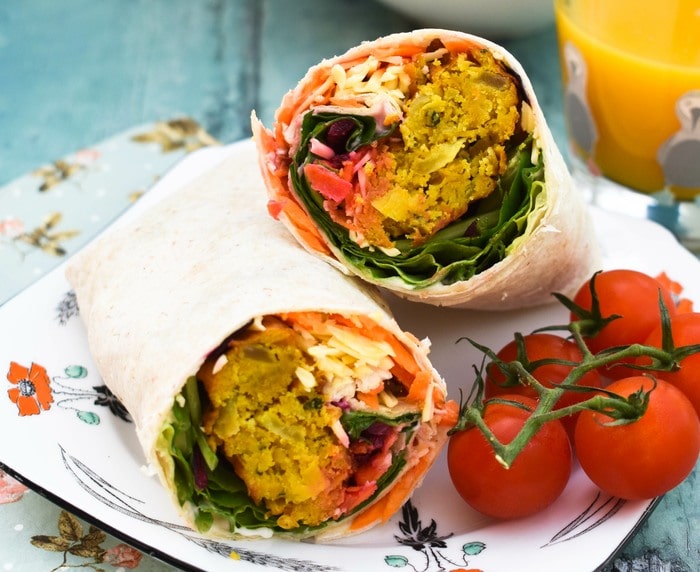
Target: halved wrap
422, 162
272, 394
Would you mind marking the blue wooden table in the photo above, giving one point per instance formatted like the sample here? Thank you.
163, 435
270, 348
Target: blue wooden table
76, 72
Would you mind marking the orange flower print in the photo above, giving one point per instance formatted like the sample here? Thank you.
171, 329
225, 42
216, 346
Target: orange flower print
32, 391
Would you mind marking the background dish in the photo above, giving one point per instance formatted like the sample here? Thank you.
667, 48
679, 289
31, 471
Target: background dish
494, 19
82, 451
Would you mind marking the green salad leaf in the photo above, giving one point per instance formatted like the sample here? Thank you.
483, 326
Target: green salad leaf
468, 246
355, 422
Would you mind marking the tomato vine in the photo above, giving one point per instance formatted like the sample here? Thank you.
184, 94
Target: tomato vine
621, 409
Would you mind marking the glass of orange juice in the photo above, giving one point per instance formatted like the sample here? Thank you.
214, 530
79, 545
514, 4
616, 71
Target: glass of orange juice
631, 81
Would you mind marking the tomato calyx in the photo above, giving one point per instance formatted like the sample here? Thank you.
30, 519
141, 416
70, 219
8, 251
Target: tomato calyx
590, 321
622, 410
517, 373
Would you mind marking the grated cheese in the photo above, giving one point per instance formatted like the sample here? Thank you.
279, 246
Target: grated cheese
219, 364
306, 378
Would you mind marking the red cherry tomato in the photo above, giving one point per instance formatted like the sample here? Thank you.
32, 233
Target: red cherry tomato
539, 346
632, 295
685, 329
536, 478
645, 458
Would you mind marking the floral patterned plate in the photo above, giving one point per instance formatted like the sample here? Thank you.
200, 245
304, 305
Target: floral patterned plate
66, 436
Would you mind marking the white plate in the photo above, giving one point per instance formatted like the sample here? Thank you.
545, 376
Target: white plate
83, 455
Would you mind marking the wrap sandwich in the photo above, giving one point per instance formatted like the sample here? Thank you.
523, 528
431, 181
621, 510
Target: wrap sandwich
272, 394
421, 162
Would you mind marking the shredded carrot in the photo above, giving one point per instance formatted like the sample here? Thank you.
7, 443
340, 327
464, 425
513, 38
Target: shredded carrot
274, 208
419, 383
404, 377
406, 367
282, 202
448, 414
401, 490
402, 356
291, 104
310, 321
307, 231
385, 507
348, 170
307, 99
459, 45
317, 321
672, 285
327, 182
371, 400
683, 305
438, 396
371, 329
378, 389
380, 53
420, 386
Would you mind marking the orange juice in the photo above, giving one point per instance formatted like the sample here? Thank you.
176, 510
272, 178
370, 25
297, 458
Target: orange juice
634, 115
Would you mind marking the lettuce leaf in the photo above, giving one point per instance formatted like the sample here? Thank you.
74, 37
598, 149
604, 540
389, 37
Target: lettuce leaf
225, 494
355, 422
463, 249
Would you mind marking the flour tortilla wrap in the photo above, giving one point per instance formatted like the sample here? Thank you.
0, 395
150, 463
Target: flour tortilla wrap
421, 162
315, 367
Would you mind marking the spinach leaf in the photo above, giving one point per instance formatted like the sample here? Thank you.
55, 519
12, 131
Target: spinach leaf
355, 422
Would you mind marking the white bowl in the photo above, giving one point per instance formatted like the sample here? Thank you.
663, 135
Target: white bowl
498, 19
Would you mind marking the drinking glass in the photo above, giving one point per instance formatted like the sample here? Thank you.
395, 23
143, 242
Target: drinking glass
631, 88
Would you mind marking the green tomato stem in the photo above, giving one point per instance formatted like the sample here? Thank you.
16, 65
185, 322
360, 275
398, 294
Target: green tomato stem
620, 409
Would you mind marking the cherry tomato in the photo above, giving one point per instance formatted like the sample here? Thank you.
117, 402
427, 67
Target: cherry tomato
539, 346
685, 329
632, 295
645, 458
536, 478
